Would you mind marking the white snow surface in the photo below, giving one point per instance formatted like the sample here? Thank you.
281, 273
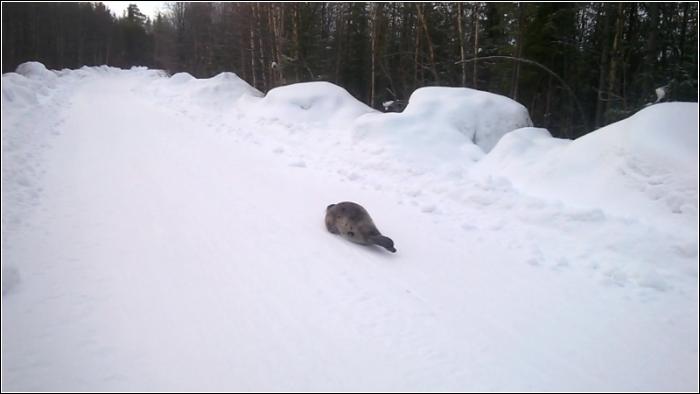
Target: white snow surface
166, 233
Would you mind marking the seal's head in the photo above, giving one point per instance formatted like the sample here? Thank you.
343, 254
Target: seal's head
384, 242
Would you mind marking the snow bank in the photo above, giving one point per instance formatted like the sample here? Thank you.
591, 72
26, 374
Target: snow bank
19, 90
448, 119
23, 87
27, 106
31, 84
643, 167
319, 103
446, 127
218, 92
36, 71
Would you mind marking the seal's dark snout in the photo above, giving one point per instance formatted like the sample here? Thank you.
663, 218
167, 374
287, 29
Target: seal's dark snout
390, 247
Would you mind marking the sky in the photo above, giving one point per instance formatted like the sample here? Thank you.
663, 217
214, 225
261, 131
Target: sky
149, 8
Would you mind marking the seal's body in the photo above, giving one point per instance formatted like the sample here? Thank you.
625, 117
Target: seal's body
352, 222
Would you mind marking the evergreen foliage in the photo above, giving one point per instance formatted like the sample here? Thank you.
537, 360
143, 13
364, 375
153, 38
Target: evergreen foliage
612, 55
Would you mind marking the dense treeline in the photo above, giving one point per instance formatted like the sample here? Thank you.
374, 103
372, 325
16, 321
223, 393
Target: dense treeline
70, 35
583, 65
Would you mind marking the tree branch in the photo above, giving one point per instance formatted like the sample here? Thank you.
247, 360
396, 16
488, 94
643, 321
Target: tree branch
550, 72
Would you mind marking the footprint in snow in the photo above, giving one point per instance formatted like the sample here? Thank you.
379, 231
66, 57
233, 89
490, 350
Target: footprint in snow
430, 208
469, 227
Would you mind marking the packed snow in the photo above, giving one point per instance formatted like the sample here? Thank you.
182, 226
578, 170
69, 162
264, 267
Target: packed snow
166, 233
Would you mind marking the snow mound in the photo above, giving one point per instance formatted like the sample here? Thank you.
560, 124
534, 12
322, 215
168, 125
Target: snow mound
482, 117
180, 78
320, 103
644, 167
28, 85
18, 90
36, 70
448, 117
444, 126
23, 87
221, 90
218, 92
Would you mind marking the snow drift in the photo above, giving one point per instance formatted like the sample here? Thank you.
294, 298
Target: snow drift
30, 81
36, 70
644, 167
442, 116
217, 93
319, 103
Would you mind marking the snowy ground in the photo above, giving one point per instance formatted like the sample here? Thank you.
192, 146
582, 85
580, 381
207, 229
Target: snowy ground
167, 234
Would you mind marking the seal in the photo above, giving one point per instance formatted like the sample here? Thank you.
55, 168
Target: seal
352, 222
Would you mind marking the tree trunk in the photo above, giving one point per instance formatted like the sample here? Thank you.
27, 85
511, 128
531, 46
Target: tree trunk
431, 50
615, 55
417, 58
340, 37
684, 29
650, 56
276, 18
460, 11
547, 105
603, 14
518, 51
296, 45
261, 47
373, 49
476, 44
252, 46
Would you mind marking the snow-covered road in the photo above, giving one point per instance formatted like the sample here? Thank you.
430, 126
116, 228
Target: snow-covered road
154, 244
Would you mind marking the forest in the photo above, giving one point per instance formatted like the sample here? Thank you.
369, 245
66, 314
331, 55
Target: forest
575, 66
